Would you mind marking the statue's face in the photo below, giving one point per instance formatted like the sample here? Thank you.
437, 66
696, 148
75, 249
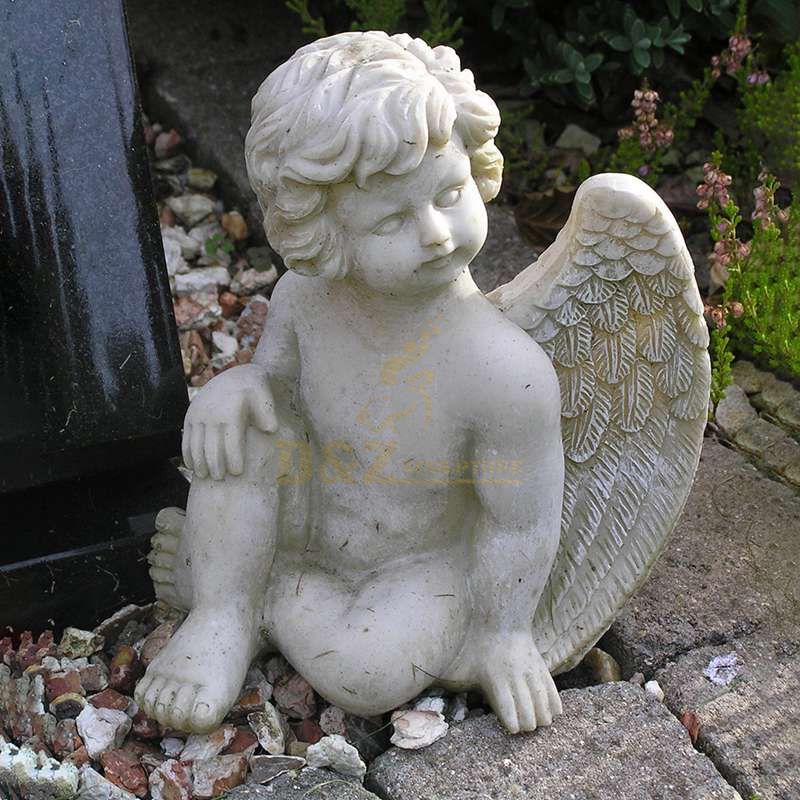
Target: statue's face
411, 233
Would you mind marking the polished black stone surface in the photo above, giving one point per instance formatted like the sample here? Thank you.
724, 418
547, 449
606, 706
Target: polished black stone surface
90, 370
74, 552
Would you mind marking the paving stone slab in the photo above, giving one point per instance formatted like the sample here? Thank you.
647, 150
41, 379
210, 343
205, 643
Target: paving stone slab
730, 568
751, 728
307, 784
613, 741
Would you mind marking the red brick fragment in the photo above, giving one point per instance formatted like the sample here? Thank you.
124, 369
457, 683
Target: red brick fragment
242, 742
308, 731
111, 698
144, 727
122, 768
58, 683
125, 669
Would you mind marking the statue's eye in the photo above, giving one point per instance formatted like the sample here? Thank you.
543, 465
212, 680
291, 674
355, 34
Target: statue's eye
449, 197
389, 225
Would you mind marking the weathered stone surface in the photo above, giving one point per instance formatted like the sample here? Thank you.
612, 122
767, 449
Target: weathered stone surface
792, 473
613, 741
748, 377
729, 569
750, 728
789, 411
776, 392
734, 410
785, 452
758, 436
308, 784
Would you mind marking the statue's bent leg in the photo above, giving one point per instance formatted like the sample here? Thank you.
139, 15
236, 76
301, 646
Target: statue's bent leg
228, 543
372, 647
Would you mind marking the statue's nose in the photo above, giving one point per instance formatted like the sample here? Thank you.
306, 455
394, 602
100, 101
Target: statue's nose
433, 227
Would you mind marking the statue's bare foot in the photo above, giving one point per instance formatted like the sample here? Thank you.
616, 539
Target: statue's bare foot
196, 678
520, 689
171, 580
514, 678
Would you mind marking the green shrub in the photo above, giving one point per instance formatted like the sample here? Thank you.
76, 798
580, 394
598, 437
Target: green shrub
392, 16
770, 115
767, 285
578, 52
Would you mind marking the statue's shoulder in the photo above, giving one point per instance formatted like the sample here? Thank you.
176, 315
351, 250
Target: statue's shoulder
294, 293
512, 370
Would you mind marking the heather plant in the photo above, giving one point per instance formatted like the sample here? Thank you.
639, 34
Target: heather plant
642, 144
768, 283
770, 114
759, 309
729, 255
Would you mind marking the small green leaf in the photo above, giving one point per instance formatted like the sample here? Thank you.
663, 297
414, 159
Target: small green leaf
621, 43
674, 7
498, 15
585, 93
641, 59
593, 61
695, 5
638, 30
561, 76
570, 55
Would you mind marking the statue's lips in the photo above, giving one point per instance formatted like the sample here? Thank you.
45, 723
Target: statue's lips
439, 261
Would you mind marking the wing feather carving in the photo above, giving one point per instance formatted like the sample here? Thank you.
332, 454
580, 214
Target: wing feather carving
617, 309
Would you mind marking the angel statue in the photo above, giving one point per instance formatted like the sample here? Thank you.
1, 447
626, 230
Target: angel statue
414, 483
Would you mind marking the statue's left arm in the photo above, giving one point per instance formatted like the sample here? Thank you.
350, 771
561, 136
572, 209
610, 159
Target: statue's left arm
518, 473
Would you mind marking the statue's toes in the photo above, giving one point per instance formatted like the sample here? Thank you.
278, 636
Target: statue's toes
526, 711
543, 716
151, 696
180, 710
207, 713
165, 699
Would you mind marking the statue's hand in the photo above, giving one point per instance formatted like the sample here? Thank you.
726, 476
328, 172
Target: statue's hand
216, 424
514, 678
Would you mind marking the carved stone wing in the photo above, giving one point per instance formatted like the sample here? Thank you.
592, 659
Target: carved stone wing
615, 305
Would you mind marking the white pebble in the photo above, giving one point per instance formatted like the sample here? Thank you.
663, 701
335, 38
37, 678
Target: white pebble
335, 752
654, 690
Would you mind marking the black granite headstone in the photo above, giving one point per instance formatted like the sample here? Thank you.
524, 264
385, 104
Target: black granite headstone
90, 370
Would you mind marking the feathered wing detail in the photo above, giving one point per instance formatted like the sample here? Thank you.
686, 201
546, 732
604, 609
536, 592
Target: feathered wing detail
614, 304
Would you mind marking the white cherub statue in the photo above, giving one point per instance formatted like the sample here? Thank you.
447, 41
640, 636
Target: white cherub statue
414, 483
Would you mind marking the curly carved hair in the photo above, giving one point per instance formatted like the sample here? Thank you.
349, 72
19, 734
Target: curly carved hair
347, 107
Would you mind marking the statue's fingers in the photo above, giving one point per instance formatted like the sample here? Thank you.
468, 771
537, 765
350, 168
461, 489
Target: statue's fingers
198, 437
234, 439
214, 450
527, 715
263, 414
502, 701
186, 446
544, 717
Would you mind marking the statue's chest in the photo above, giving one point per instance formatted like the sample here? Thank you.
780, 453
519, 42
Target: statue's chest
362, 399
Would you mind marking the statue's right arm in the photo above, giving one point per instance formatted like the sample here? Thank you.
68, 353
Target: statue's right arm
215, 428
